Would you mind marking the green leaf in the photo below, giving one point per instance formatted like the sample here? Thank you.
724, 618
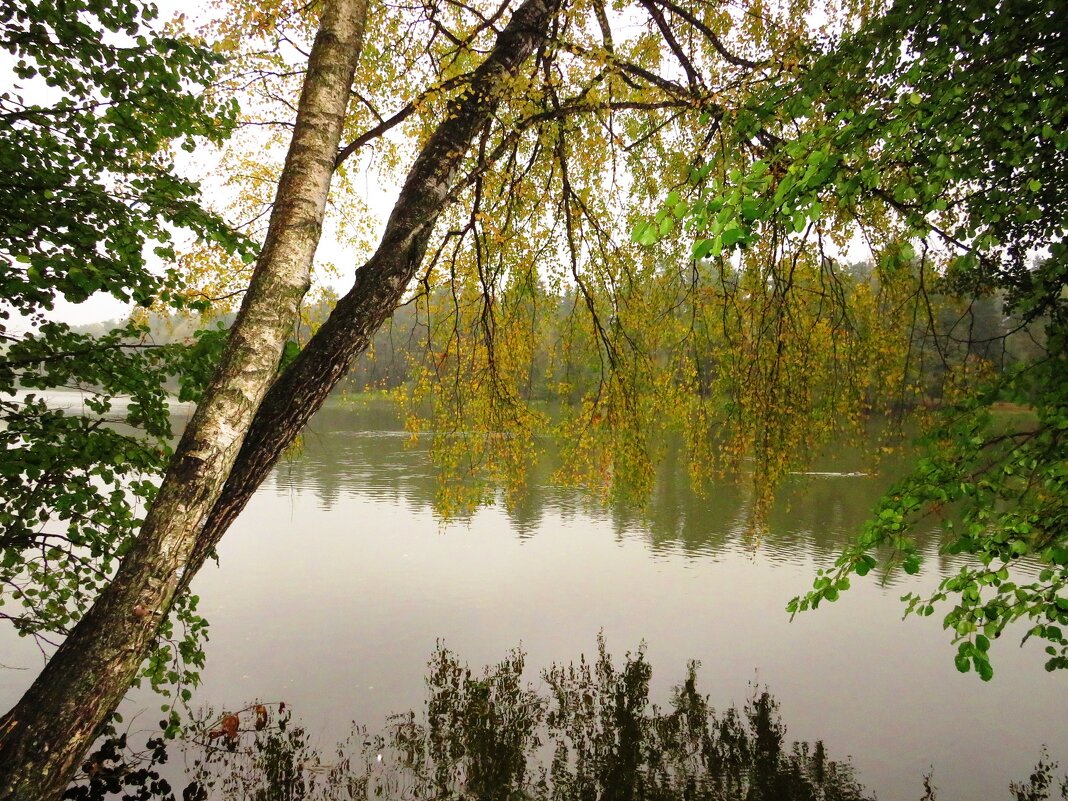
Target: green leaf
732, 235
864, 565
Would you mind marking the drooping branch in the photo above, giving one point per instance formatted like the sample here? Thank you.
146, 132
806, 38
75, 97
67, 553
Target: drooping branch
709, 34
389, 123
628, 70
381, 282
669, 38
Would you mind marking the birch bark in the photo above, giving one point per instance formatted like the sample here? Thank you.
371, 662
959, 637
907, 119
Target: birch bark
45, 736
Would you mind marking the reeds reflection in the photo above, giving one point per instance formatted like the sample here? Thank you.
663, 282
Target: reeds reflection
588, 730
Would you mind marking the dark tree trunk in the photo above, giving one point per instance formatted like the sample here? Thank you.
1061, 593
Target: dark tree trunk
380, 283
45, 736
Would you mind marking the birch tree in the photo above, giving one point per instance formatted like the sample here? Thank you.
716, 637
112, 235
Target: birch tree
43, 738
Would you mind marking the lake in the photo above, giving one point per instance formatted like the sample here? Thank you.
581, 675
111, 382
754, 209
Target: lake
338, 581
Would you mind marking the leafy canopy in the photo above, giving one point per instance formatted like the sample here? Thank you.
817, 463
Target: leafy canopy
942, 130
935, 137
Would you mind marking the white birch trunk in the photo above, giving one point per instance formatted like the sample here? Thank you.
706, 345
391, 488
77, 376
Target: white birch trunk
46, 735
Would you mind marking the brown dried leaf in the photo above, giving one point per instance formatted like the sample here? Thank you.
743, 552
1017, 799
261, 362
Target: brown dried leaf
230, 724
228, 727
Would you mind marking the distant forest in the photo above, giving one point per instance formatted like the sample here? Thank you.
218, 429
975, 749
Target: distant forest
951, 332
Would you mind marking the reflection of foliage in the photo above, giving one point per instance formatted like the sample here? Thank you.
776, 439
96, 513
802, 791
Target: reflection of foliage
594, 734
357, 447
1041, 783
609, 742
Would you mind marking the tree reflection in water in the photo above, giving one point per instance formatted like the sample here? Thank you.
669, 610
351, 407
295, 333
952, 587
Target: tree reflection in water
591, 733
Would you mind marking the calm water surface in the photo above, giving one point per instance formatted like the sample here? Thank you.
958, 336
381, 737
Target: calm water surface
338, 580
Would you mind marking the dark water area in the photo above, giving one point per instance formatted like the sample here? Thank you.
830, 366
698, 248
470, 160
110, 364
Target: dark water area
339, 582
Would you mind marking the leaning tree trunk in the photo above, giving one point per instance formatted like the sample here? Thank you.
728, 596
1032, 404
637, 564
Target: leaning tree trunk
380, 283
45, 736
